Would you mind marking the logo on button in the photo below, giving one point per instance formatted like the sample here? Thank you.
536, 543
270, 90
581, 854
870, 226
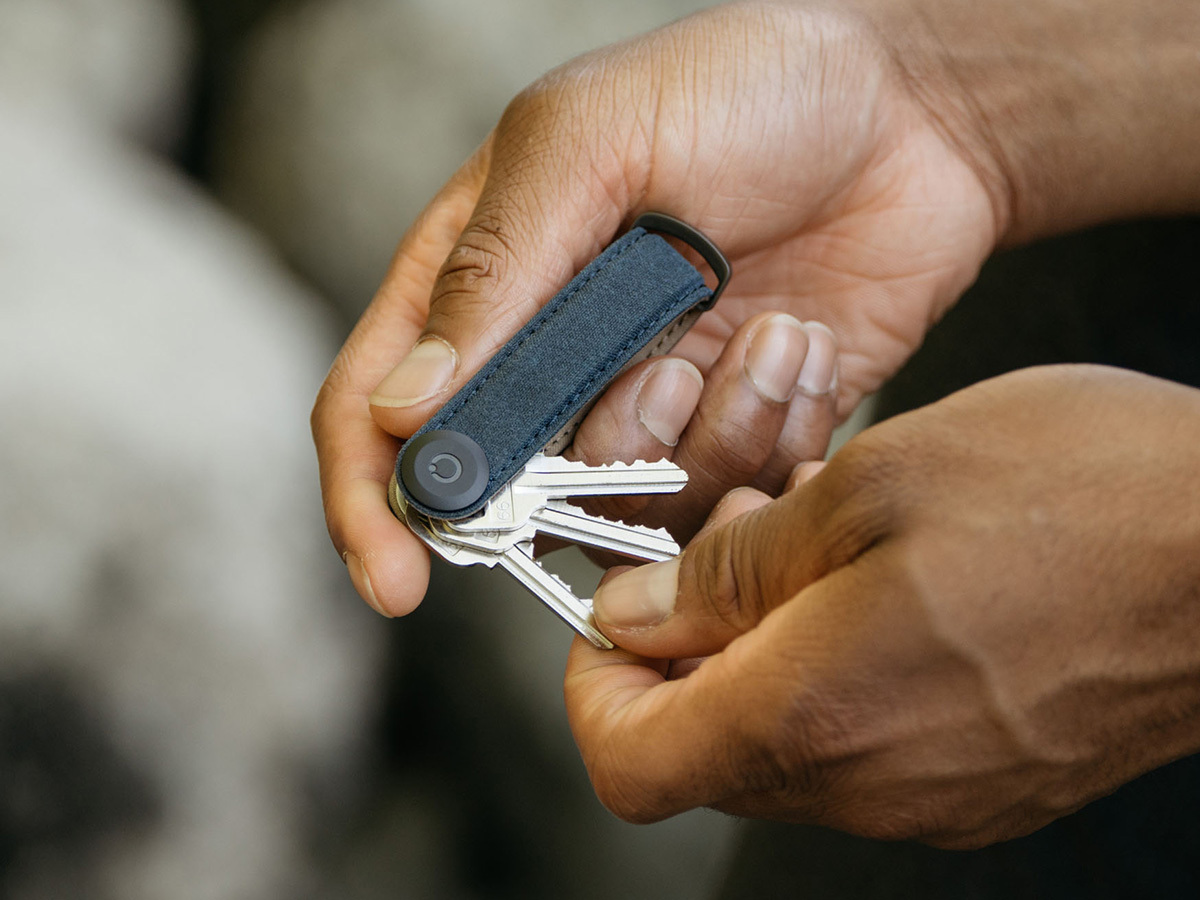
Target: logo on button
445, 468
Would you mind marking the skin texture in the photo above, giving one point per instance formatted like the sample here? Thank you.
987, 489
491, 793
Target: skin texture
932, 652
976, 617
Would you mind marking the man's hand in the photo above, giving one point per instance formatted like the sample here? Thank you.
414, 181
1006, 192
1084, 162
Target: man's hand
788, 134
976, 618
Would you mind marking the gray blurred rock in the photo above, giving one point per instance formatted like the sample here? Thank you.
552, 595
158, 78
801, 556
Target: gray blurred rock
350, 114
121, 64
183, 674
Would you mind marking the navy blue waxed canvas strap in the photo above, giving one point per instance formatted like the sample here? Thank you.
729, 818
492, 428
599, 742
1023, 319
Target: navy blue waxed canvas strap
557, 365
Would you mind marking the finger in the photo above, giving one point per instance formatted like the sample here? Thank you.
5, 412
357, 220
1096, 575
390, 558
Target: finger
751, 394
736, 503
812, 413
640, 416
803, 473
729, 507
735, 571
750, 729
723, 436
387, 564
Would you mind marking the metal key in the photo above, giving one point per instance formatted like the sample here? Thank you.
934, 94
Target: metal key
564, 520
547, 478
534, 502
516, 557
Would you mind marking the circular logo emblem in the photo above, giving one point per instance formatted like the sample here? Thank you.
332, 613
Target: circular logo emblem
445, 468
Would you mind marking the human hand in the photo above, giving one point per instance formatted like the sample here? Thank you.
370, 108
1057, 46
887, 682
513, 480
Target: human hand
809, 160
773, 385
976, 618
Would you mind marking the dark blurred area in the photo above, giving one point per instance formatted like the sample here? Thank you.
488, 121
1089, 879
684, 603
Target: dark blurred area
222, 28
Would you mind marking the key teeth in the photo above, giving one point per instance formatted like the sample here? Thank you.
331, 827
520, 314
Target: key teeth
642, 529
639, 464
560, 462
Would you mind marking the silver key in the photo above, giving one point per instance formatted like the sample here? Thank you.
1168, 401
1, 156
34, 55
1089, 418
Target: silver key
515, 557
547, 478
559, 477
561, 519
535, 502
552, 591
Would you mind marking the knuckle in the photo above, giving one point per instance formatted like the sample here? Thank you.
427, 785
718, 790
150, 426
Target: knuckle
731, 455
874, 485
469, 286
534, 110
478, 260
717, 571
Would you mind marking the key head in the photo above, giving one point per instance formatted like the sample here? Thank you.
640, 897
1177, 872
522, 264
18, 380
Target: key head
444, 470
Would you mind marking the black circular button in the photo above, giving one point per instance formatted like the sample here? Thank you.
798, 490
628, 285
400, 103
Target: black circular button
444, 470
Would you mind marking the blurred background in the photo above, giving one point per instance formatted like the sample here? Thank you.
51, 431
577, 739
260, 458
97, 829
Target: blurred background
196, 200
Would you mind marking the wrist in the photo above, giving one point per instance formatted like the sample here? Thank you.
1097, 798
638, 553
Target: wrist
1070, 114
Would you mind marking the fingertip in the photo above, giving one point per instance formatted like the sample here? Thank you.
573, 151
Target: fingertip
737, 502
598, 684
667, 398
775, 351
426, 371
388, 566
612, 573
640, 597
400, 577
361, 580
805, 471
819, 375
408, 394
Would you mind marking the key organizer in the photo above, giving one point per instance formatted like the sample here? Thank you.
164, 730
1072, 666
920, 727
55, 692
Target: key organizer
635, 300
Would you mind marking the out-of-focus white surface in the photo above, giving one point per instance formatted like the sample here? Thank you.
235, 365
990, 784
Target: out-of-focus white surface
161, 544
119, 64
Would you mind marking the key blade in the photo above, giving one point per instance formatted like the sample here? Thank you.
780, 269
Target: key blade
567, 521
556, 477
553, 592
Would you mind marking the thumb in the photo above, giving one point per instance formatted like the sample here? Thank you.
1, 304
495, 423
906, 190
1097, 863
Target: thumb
736, 570
546, 208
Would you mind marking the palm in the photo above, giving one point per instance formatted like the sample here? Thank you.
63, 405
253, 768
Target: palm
839, 201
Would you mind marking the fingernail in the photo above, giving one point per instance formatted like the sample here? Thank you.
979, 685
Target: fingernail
425, 372
819, 373
362, 583
640, 597
668, 397
774, 354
